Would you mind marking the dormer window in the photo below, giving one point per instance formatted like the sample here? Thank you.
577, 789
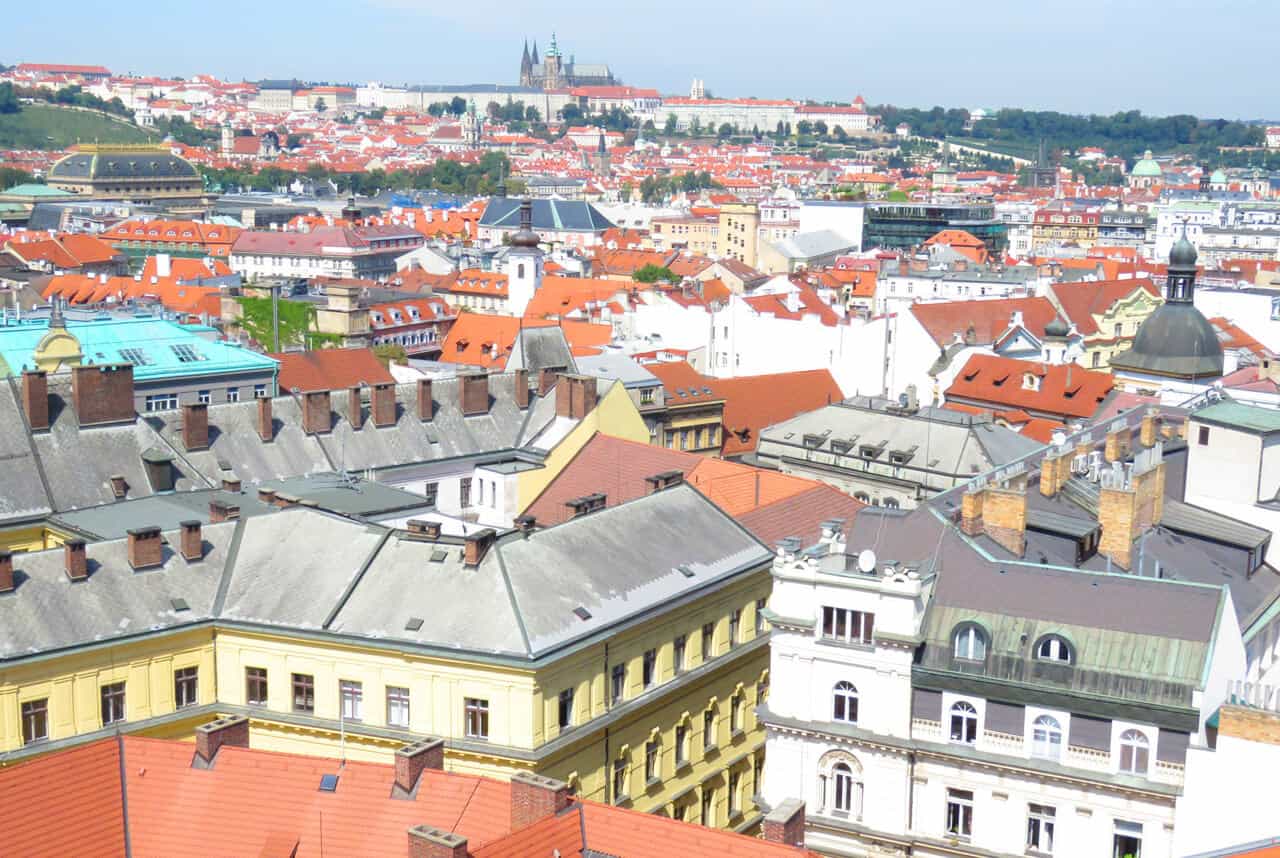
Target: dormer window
813, 441
1054, 648
1030, 381
969, 643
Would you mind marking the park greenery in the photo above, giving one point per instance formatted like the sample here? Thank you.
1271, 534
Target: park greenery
445, 175
651, 273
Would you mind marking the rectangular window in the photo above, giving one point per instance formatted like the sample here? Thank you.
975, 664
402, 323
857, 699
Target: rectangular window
304, 692
1040, 822
204, 396
619, 779
708, 806
651, 772
255, 686
477, 717
565, 709
760, 606
35, 721
431, 491
161, 402
735, 626
618, 683
735, 784
709, 729
352, 696
846, 626
1127, 840
259, 391
684, 439
464, 492
185, 691
113, 703
650, 667
708, 640
678, 653
397, 706
1203, 439
682, 744
960, 812
233, 394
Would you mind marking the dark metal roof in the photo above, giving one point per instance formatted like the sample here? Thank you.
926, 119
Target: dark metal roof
1176, 340
548, 215
125, 165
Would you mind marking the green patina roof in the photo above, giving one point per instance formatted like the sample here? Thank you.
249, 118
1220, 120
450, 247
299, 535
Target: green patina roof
1238, 415
1147, 166
32, 189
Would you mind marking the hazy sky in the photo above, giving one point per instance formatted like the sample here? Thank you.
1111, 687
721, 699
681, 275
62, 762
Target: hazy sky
1211, 58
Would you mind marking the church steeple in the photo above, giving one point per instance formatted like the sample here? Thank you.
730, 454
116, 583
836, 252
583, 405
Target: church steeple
1181, 285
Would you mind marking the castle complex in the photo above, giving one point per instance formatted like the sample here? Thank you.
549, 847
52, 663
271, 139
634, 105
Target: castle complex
554, 72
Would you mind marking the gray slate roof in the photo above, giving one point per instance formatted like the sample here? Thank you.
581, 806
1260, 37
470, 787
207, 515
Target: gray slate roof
548, 215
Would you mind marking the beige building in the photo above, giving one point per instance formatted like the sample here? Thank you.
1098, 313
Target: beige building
685, 232
738, 233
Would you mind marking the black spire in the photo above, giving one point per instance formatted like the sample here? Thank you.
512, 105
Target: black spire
535, 53
1181, 285
525, 236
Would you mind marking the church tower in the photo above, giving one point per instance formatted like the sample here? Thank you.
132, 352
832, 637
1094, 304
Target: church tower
526, 66
601, 164
228, 140
524, 263
551, 71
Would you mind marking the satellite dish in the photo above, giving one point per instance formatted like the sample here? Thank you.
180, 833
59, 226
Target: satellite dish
866, 561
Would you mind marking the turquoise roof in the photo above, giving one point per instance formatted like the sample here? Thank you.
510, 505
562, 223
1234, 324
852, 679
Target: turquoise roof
1238, 415
157, 348
1218, 177
1147, 166
31, 189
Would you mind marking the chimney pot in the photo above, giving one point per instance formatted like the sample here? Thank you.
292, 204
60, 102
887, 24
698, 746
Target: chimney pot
233, 731
266, 426
75, 559
195, 426
192, 541
476, 546
412, 760
35, 399
7, 582
426, 406
384, 404
145, 548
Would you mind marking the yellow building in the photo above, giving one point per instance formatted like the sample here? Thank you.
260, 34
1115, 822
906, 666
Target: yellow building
133, 172
694, 233
1107, 313
738, 233
622, 651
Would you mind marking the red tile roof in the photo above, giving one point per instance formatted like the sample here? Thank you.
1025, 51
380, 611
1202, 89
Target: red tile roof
945, 320
1082, 301
479, 339
1001, 384
753, 402
330, 369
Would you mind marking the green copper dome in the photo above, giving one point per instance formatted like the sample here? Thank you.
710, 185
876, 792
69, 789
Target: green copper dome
1218, 177
1147, 167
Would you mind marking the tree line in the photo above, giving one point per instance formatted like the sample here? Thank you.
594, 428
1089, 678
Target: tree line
445, 175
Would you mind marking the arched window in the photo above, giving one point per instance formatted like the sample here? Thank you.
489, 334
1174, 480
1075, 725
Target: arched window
1046, 738
840, 785
1053, 648
891, 503
970, 643
842, 777
845, 706
866, 498
964, 723
1135, 752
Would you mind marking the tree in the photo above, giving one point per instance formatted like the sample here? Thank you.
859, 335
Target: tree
531, 114
493, 110
571, 113
695, 126
653, 273
8, 101
804, 127
10, 176
293, 141
321, 107
387, 353
457, 106
820, 128
841, 135
437, 108
725, 131
670, 127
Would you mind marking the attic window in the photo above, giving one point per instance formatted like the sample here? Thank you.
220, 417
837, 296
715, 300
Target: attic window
179, 605
413, 624
581, 613
328, 783
439, 555
685, 570
1030, 381
813, 441
707, 391
841, 447
867, 451
999, 381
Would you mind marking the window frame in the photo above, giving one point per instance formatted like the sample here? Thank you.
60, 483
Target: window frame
398, 696
251, 680
617, 683
111, 696
649, 668
848, 626
844, 699
969, 722
564, 708
306, 682
475, 717
1047, 735
186, 687
977, 640
1041, 827
1127, 745
1046, 646
960, 807
351, 691
34, 712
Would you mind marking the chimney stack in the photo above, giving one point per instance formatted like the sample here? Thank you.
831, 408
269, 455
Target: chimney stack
145, 548
75, 559
534, 798
102, 393
195, 426
7, 582
232, 730
1000, 512
546, 381
192, 541
412, 760
476, 546
35, 399
521, 382
785, 823
384, 404
428, 842
355, 409
526, 523
1055, 470
119, 486
1117, 445
1126, 509
220, 511
266, 424
231, 483
473, 393
1150, 431
317, 418
426, 406
267, 495
664, 480
423, 527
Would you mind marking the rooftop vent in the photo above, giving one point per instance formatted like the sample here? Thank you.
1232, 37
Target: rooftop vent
413, 624
439, 555
581, 613
685, 570
179, 605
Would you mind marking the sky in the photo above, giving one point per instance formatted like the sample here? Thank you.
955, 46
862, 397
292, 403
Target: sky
1212, 59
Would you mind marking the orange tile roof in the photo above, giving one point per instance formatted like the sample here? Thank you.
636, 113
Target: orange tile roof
945, 320
561, 297
480, 339
330, 369
753, 402
1082, 301
999, 382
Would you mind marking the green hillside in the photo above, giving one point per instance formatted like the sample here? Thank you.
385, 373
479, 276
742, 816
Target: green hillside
43, 126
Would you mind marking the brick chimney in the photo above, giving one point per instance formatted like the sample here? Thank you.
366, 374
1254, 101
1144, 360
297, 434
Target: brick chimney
428, 842
119, 486
424, 528
102, 393
564, 396
35, 399
220, 511
785, 823
473, 393
412, 760
145, 548
231, 483
192, 541
195, 426
426, 406
266, 423
1055, 470
384, 404
998, 511
1129, 505
75, 560
233, 730
317, 418
1117, 446
526, 523
1150, 431
546, 381
521, 382
7, 582
267, 495
477, 545
664, 480
355, 408
534, 797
